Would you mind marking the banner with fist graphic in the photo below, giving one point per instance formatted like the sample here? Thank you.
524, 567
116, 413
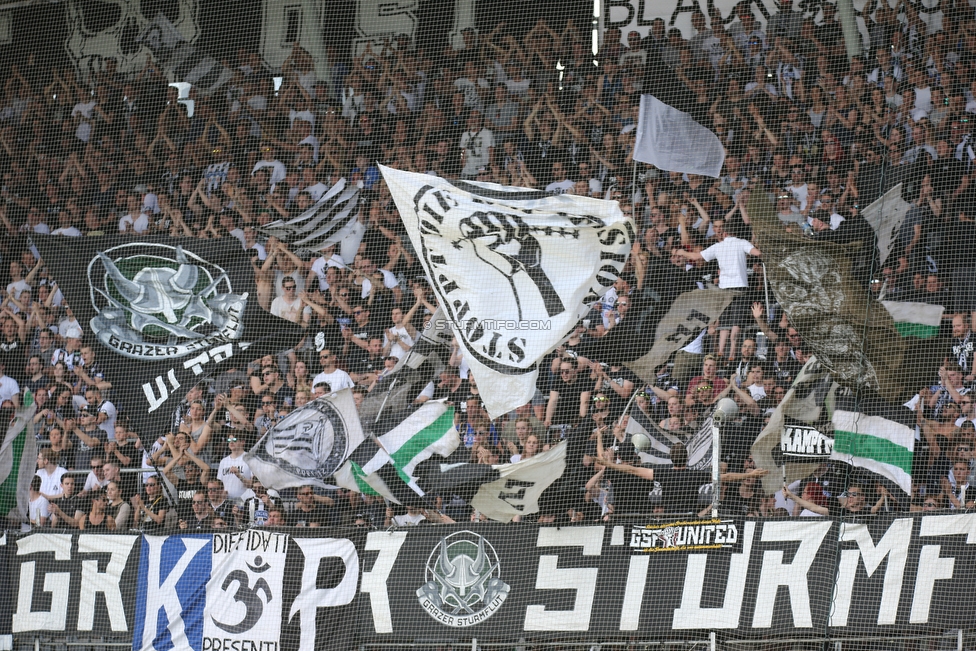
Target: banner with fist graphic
513, 269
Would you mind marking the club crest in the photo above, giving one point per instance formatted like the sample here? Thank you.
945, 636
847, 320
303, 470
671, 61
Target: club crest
464, 585
157, 301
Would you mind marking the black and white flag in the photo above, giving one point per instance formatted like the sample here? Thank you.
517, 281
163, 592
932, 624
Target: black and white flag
309, 444
162, 314
333, 219
513, 269
669, 134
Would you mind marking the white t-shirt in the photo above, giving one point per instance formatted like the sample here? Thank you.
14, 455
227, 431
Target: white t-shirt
396, 349
51, 484
289, 311
37, 509
337, 380
108, 425
92, 481
85, 110
731, 255
407, 520
68, 231
560, 187
8, 388
18, 287
139, 224
476, 145
233, 485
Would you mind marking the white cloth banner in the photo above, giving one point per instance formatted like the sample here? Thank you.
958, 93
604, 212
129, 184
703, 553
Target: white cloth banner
245, 589
498, 501
674, 141
513, 269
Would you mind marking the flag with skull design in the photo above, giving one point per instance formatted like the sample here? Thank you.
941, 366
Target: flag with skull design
849, 331
513, 269
162, 314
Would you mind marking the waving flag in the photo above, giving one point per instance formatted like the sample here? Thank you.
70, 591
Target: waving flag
669, 135
513, 269
883, 446
18, 450
918, 320
850, 332
428, 431
309, 444
332, 220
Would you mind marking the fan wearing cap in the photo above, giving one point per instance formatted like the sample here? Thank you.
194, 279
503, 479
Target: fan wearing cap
71, 353
233, 470
88, 437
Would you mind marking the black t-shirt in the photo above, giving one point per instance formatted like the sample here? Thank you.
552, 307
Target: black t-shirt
365, 363
184, 498
631, 494
568, 405
72, 504
367, 331
618, 377
300, 518
680, 488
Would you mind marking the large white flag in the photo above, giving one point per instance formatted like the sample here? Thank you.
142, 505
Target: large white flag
675, 141
513, 269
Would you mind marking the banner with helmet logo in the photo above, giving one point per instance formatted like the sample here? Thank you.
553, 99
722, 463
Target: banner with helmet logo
162, 314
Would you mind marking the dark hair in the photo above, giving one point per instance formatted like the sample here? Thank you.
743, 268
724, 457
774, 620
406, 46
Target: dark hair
679, 455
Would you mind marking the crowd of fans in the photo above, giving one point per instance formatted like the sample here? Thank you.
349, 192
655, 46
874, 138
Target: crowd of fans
822, 136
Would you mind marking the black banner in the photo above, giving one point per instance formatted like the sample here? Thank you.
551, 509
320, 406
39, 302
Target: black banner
265, 590
165, 313
81, 584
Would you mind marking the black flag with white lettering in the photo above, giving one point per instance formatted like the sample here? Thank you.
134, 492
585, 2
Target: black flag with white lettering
160, 314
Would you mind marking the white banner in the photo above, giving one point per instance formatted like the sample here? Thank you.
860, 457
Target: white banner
499, 501
513, 269
244, 592
638, 15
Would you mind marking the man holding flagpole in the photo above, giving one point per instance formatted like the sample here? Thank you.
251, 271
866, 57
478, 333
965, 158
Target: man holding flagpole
731, 255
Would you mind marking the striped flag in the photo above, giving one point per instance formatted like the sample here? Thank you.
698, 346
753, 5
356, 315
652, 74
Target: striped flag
875, 443
331, 220
661, 440
428, 431
918, 320
17, 454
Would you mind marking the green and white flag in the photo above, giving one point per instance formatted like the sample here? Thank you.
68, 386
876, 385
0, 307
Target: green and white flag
918, 320
428, 431
876, 444
17, 454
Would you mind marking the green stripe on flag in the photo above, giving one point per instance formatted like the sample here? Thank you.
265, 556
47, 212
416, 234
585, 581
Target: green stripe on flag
916, 330
360, 477
9, 488
420, 441
872, 447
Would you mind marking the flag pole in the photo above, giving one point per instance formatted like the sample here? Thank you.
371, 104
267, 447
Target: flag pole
769, 311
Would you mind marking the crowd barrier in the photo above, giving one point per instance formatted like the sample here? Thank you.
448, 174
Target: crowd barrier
275, 590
